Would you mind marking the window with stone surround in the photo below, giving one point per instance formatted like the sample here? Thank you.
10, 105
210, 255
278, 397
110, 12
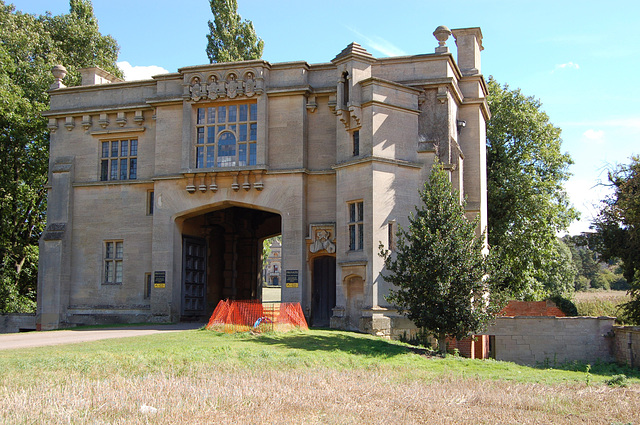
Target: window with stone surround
119, 160
226, 135
113, 257
356, 226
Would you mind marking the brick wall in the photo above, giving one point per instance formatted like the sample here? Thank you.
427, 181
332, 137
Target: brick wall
627, 345
532, 308
531, 340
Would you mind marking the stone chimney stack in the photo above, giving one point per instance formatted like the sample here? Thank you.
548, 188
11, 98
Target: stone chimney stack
469, 42
95, 75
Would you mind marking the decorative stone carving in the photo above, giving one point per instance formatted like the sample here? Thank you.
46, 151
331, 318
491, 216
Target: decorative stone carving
212, 88
250, 85
233, 86
321, 238
213, 187
246, 185
196, 89
235, 186
59, 72
442, 34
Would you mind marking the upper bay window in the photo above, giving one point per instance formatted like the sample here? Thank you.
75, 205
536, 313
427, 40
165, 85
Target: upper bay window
226, 135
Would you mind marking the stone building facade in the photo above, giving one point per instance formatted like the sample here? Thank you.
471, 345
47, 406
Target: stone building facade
161, 191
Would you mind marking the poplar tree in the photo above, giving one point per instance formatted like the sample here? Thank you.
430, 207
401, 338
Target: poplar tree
438, 266
231, 39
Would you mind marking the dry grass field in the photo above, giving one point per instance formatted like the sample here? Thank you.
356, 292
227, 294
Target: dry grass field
315, 377
600, 303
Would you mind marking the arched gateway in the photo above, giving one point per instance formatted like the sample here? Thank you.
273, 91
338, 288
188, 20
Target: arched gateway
161, 191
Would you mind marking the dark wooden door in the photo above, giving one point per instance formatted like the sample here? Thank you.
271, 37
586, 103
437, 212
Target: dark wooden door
323, 293
194, 276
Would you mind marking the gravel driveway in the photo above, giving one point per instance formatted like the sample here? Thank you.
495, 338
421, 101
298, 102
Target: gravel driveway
71, 336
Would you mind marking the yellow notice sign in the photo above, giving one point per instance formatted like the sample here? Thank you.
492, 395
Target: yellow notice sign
291, 278
159, 279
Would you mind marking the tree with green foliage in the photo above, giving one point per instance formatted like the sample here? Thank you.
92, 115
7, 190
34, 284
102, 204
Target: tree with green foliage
439, 268
618, 229
230, 39
30, 46
527, 205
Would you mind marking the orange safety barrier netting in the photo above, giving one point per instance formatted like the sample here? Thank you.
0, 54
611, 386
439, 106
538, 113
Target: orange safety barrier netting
244, 316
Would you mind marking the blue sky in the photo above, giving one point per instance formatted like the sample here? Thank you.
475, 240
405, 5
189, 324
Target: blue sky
579, 58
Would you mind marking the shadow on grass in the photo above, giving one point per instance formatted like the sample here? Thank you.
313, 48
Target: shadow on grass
331, 340
606, 370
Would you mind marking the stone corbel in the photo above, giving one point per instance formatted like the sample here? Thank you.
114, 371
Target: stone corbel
356, 113
422, 97
69, 124
203, 184
235, 186
246, 185
86, 122
259, 86
311, 103
138, 118
53, 125
258, 185
213, 186
191, 187
443, 95
103, 121
121, 119
333, 103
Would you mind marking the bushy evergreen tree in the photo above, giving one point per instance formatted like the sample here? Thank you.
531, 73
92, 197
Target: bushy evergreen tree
439, 268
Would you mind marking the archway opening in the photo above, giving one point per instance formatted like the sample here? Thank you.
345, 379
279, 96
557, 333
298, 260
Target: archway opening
223, 257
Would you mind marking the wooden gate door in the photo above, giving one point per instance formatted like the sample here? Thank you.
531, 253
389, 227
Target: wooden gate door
194, 276
323, 292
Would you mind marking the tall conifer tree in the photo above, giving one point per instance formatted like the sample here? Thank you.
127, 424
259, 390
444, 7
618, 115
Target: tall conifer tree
230, 39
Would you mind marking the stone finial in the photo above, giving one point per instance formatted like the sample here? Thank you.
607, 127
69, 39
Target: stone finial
442, 34
59, 72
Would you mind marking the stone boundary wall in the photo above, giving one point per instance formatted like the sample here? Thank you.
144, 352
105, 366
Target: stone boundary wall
12, 323
627, 345
532, 340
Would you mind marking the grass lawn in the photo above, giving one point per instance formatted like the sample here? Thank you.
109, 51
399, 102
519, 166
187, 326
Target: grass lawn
323, 377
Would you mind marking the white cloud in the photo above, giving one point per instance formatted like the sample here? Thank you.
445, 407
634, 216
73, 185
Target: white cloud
132, 73
585, 195
568, 65
594, 135
379, 44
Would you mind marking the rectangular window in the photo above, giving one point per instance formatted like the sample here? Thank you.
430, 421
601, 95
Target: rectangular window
356, 143
113, 257
119, 160
150, 201
147, 286
228, 136
356, 226
391, 236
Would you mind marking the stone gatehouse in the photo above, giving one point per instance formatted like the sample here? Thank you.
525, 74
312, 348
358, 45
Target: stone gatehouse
161, 191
